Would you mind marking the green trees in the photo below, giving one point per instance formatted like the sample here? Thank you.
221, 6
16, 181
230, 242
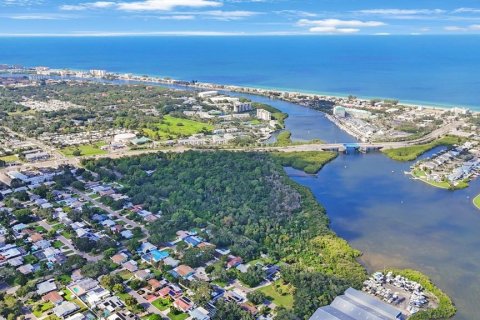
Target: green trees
313, 289
309, 161
196, 257
231, 311
247, 204
202, 292
253, 277
111, 282
256, 297
23, 215
95, 269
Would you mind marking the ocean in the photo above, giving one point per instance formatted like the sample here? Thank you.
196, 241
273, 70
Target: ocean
431, 70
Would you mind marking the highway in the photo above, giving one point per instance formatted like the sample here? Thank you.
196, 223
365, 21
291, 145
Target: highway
60, 159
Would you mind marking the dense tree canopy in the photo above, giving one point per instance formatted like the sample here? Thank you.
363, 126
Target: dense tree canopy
245, 202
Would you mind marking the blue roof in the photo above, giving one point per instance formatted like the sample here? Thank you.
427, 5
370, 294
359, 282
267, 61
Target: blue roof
194, 241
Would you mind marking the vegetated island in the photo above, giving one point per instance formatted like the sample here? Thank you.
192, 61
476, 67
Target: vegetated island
476, 201
308, 161
413, 152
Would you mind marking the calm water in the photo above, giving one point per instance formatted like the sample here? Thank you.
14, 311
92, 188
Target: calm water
440, 69
393, 220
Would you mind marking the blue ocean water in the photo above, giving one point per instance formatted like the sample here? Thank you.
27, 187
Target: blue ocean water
439, 70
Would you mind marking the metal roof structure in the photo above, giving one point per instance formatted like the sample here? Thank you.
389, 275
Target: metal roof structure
356, 305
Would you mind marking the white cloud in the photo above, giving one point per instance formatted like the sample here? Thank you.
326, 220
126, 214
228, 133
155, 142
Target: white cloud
227, 15
40, 16
333, 30
473, 27
89, 5
21, 3
296, 13
153, 33
147, 5
401, 12
206, 14
177, 17
454, 28
466, 10
165, 5
336, 25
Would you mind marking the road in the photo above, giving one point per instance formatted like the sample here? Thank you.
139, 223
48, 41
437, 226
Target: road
75, 161
113, 213
69, 244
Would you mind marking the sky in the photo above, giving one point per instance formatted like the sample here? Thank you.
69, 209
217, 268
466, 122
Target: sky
238, 17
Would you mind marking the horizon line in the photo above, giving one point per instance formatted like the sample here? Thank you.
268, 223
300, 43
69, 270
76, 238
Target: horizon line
214, 34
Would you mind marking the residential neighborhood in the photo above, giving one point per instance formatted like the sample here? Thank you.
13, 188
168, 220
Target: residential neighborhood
82, 248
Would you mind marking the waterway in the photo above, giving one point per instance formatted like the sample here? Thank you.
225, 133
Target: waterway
394, 220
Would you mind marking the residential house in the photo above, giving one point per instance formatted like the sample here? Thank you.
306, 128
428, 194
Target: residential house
65, 309
83, 286
233, 261
46, 286
182, 271
53, 297
143, 274
131, 266
146, 247
127, 234
96, 296
183, 304
199, 314
26, 269
119, 258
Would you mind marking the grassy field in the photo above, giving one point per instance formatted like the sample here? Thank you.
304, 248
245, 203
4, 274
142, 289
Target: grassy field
68, 295
174, 128
442, 184
85, 149
162, 304
413, 152
57, 244
476, 201
281, 300
41, 308
125, 274
308, 161
284, 138
180, 316
9, 159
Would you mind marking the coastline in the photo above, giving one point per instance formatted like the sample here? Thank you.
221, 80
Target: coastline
249, 89
237, 91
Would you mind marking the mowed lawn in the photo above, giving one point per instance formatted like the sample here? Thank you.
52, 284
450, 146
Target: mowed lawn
173, 128
8, 159
162, 304
85, 149
280, 300
476, 201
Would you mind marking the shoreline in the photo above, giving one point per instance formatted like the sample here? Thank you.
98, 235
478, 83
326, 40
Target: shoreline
248, 89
